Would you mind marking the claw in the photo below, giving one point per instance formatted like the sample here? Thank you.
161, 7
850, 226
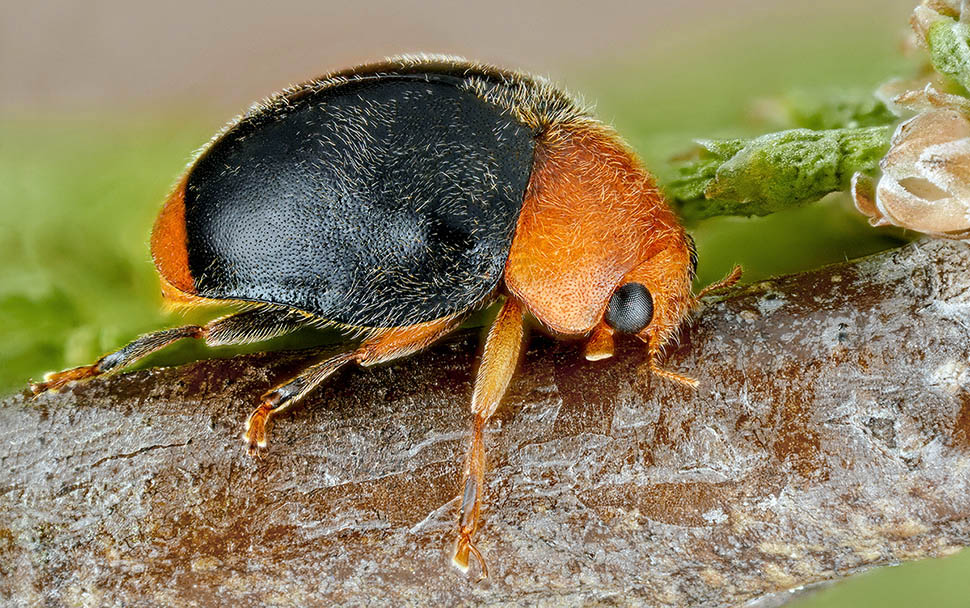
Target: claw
255, 452
460, 560
255, 434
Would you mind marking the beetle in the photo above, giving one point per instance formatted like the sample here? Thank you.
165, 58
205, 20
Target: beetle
391, 200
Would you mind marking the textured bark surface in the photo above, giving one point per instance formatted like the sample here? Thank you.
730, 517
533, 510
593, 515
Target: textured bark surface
831, 433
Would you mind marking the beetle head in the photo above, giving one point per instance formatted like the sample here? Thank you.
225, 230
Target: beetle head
651, 301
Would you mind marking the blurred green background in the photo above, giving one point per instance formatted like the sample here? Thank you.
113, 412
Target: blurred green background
88, 153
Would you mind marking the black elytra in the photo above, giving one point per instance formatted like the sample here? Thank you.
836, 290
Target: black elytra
385, 200
630, 308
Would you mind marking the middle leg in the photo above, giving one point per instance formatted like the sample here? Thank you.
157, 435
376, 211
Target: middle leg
383, 346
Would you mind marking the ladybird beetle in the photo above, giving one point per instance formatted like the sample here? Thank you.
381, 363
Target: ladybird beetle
390, 201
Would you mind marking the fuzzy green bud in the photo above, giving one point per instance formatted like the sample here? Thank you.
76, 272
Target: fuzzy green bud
949, 44
775, 171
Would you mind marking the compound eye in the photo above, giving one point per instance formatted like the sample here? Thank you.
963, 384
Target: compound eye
630, 308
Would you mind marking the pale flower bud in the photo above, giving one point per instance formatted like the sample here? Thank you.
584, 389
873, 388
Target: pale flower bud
906, 97
925, 184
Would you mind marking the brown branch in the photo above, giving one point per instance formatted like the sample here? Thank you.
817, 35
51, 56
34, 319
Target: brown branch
831, 433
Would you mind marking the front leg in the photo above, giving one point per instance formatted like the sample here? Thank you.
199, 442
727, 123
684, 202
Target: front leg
659, 333
502, 348
654, 350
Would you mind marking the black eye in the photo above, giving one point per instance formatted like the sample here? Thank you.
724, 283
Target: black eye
630, 309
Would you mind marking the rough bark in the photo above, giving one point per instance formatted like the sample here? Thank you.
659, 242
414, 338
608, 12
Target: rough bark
830, 433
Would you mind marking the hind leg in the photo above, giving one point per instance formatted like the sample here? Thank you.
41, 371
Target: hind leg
385, 345
239, 328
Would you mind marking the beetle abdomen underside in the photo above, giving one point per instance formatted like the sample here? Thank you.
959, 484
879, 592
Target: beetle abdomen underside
376, 202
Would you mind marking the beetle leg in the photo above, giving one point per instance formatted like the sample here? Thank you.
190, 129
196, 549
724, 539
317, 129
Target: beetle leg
657, 338
239, 328
653, 354
285, 395
732, 277
131, 352
501, 354
384, 346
